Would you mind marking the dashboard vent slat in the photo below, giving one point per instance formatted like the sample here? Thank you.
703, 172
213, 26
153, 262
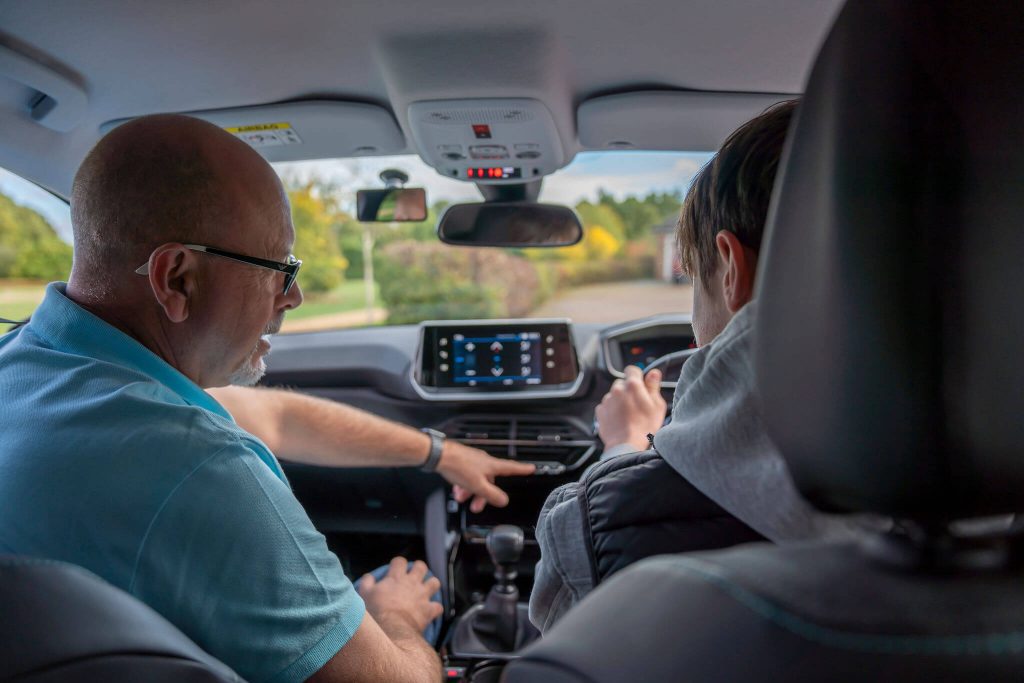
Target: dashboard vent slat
541, 439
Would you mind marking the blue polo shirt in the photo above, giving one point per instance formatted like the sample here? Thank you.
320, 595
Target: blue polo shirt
113, 460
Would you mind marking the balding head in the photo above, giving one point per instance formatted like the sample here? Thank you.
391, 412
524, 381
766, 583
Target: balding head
158, 179
148, 189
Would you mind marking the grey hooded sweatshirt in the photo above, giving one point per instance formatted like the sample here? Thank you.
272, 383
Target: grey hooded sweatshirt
716, 440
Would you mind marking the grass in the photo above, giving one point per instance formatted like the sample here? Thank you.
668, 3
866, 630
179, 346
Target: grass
18, 299
349, 296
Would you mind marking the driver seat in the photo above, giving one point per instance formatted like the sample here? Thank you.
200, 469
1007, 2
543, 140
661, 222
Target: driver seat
888, 359
63, 623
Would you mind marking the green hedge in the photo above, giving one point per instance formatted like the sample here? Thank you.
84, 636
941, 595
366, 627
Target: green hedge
560, 275
421, 281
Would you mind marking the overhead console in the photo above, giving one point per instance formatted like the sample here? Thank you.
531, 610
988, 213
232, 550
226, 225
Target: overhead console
487, 141
490, 360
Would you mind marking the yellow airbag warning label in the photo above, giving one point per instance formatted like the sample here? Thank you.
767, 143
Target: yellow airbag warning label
267, 134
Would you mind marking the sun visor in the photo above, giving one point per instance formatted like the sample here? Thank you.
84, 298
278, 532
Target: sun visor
318, 129
667, 120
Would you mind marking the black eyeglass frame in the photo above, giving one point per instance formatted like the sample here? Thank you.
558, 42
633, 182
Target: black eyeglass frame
290, 269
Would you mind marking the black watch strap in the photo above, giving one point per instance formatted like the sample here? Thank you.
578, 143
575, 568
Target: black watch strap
436, 447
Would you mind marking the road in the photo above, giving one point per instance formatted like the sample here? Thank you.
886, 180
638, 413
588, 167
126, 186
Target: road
614, 302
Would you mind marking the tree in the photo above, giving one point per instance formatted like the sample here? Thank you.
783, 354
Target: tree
639, 217
598, 244
29, 246
316, 241
604, 215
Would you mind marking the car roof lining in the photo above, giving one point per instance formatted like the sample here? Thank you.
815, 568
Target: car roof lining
134, 59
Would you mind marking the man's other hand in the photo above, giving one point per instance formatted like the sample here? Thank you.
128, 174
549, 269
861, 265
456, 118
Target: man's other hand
402, 597
632, 409
471, 472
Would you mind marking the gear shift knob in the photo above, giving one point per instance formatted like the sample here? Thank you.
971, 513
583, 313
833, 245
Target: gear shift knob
505, 544
500, 624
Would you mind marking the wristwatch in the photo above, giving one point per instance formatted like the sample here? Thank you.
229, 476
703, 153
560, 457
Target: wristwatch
436, 446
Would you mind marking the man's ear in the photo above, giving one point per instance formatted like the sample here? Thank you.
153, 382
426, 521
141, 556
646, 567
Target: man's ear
172, 277
739, 263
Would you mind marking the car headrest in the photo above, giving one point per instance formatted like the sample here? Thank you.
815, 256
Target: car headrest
890, 329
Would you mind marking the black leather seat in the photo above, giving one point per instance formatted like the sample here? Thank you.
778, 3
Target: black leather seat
61, 623
888, 360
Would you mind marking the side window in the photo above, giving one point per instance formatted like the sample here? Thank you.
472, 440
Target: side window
35, 245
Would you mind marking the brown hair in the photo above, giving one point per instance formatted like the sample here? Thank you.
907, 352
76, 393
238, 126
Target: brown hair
731, 192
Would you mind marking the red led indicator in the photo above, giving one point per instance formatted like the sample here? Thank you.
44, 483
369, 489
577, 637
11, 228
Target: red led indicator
497, 173
481, 131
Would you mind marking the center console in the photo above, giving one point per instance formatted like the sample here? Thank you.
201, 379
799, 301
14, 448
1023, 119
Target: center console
488, 360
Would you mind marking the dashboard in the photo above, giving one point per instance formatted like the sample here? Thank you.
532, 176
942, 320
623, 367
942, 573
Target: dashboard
524, 390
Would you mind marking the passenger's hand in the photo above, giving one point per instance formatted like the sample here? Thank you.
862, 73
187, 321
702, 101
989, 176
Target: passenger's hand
403, 595
632, 409
471, 473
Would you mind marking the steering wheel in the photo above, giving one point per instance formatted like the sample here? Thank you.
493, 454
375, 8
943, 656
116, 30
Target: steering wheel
671, 364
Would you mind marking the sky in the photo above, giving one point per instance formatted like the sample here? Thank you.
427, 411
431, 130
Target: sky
620, 173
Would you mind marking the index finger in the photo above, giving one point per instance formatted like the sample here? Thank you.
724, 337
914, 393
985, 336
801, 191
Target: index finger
511, 468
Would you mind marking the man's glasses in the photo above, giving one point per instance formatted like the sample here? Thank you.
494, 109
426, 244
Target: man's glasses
290, 269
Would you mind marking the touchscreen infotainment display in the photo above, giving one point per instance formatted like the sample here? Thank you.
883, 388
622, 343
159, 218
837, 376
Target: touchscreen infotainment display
497, 356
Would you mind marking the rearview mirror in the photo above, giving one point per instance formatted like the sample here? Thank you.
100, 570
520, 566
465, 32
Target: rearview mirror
392, 204
509, 224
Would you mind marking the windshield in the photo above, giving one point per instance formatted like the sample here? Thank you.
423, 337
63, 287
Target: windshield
35, 245
356, 274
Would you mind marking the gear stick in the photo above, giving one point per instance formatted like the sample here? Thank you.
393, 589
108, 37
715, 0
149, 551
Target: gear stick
499, 624
498, 621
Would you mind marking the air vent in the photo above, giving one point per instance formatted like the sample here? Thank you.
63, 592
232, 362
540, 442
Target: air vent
471, 116
555, 443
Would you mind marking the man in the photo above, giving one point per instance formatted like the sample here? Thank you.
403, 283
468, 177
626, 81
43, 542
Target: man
113, 457
713, 478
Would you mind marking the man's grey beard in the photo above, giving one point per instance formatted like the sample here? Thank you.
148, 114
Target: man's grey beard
249, 373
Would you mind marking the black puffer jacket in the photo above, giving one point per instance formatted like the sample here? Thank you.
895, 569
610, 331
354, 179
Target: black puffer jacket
621, 511
636, 506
